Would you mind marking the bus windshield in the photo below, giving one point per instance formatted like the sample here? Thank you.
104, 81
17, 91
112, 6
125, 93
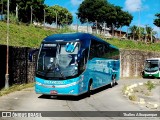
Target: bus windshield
151, 65
55, 62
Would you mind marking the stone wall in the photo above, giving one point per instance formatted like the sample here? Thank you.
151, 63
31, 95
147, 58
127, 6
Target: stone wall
132, 62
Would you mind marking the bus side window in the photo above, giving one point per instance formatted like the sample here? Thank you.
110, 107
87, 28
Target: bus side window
92, 53
83, 61
96, 49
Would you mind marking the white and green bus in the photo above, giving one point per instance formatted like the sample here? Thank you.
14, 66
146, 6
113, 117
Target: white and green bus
152, 68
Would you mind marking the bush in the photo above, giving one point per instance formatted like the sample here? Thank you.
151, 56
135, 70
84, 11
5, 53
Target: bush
150, 85
133, 97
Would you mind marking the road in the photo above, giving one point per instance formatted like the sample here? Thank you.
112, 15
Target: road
105, 99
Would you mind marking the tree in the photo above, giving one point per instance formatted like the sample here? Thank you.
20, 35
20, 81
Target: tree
64, 17
24, 9
150, 33
102, 11
133, 30
157, 20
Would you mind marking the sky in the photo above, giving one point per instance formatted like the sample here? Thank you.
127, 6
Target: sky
143, 11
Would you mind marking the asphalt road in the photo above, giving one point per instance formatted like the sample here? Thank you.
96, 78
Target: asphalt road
104, 99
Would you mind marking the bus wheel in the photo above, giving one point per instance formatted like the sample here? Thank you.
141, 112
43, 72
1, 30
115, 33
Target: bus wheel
113, 82
89, 89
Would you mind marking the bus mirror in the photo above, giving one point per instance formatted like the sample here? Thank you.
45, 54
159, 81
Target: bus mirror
31, 54
70, 47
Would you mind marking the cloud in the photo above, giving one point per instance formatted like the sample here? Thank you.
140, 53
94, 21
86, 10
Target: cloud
155, 28
76, 2
133, 5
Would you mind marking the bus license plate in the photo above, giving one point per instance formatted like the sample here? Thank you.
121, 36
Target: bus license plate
53, 92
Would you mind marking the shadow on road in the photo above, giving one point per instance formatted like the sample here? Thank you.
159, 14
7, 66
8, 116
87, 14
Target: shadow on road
74, 98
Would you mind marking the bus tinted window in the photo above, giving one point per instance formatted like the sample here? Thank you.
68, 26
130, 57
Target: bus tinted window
101, 50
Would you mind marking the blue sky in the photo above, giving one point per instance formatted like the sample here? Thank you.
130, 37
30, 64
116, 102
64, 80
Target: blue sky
143, 11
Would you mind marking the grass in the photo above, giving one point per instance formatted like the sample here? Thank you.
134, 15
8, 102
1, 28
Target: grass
133, 97
14, 88
140, 90
134, 45
150, 85
26, 36
31, 36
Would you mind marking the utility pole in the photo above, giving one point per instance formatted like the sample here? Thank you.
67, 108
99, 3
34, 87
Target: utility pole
31, 14
7, 54
17, 12
44, 18
87, 25
77, 24
96, 26
139, 23
151, 37
56, 19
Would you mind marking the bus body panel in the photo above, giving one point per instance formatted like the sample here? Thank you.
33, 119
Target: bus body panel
99, 70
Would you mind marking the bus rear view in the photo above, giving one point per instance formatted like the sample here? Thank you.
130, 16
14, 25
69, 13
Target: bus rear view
67, 64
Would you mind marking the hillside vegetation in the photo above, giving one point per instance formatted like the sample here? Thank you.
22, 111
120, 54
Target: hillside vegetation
31, 36
25, 36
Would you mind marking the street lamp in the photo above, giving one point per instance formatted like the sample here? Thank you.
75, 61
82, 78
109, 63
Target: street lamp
7, 54
139, 23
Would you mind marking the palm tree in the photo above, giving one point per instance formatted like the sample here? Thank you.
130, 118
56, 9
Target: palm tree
133, 30
150, 33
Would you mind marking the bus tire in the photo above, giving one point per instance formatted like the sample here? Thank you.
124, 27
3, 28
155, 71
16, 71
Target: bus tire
113, 82
89, 89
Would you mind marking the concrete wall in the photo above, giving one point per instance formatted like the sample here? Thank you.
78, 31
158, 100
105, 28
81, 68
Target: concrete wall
132, 62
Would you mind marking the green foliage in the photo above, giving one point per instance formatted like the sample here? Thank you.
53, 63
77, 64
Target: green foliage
13, 19
134, 45
24, 9
103, 11
64, 17
150, 85
14, 88
133, 97
157, 20
142, 33
21, 35
26, 36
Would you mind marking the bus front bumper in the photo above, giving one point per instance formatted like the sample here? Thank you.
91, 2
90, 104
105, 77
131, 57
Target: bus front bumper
152, 74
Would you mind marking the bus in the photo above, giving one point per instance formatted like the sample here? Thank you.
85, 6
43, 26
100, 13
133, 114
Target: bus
152, 68
74, 64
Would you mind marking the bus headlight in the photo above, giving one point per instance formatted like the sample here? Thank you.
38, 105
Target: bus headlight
38, 83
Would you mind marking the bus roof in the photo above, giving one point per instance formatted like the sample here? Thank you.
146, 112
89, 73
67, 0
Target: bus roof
153, 59
71, 36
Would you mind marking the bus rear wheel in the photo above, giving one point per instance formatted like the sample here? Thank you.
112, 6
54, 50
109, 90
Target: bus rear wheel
89, 89
113, 82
